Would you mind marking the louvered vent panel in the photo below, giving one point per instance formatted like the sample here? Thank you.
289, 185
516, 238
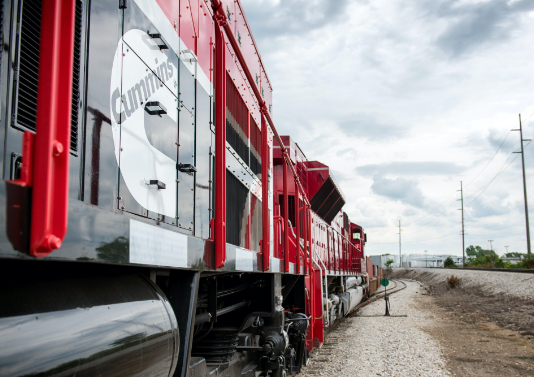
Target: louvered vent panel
236, 121
76, 77
28, 70
30, 32
255, 147
236, 210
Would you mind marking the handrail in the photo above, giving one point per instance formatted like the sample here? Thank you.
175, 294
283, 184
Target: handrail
48, 173
220, 137
219, 12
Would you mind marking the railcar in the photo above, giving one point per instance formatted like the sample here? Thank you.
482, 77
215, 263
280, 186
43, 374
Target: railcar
153, 221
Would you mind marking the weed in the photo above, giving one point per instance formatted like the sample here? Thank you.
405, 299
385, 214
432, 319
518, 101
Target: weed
453, 282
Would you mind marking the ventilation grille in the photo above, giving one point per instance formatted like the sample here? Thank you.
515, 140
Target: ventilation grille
30, 33
255, 147
76, 77
236, 121
236, 211
28, 70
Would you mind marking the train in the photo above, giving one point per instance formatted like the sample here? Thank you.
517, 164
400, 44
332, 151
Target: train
154, 222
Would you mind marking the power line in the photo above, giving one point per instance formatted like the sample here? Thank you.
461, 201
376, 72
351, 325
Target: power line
496, 175
491, 159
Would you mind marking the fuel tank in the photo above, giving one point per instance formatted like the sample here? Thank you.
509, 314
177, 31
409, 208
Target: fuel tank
67, 320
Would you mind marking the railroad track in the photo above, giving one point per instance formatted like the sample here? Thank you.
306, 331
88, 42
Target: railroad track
379, 295
398, 287
335, 334
518, 270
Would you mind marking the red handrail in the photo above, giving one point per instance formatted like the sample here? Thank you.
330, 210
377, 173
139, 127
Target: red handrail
220, 139
286, 220
49, 169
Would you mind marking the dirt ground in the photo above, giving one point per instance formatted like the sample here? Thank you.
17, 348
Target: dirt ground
481, 334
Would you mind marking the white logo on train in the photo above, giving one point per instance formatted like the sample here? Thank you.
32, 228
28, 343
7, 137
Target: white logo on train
139, 70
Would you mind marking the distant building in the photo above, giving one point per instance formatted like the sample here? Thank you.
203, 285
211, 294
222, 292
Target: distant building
416, 260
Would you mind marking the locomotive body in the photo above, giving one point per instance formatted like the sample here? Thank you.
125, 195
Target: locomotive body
153, 221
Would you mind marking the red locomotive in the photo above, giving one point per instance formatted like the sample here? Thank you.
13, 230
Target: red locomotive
155, 222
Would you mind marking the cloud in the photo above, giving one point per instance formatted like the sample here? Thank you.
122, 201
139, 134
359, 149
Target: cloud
506, 143
411, 168
269, 20
363, 126
490, 206
401, 189
410, 212
472, 25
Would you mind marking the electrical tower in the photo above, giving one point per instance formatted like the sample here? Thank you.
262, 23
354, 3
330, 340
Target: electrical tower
524, 181
463, 233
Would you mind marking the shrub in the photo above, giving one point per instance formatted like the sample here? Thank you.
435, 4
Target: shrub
453, 282
388, 263
449, 263
527, 262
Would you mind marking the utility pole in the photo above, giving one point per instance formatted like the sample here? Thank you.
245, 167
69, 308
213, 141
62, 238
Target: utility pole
491, 244
426, 259
524, 181
463, 233
400, 255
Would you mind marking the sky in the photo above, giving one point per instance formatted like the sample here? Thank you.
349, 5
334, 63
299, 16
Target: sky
403, 100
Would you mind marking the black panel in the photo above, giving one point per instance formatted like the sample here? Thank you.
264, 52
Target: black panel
236, 210
327, 201
322, 195
290, 205
336, 207
236, 142
345, 221
101, 167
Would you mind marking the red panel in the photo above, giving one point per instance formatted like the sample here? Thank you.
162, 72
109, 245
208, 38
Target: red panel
52, 140
194, 6
248, 47
187, 28
206, 40
171, 9
228, 7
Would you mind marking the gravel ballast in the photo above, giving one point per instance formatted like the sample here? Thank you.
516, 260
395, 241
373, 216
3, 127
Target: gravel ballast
496, 282
369, 344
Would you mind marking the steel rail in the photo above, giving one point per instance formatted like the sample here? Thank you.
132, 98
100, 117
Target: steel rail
516, 270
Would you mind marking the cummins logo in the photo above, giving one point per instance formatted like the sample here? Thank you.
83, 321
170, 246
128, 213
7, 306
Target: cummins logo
135, 96
142, 73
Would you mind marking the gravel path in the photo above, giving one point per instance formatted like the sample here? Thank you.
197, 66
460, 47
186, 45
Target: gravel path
512, 283
365, 345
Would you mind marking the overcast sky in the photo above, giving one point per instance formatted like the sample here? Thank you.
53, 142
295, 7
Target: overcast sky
403, 100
